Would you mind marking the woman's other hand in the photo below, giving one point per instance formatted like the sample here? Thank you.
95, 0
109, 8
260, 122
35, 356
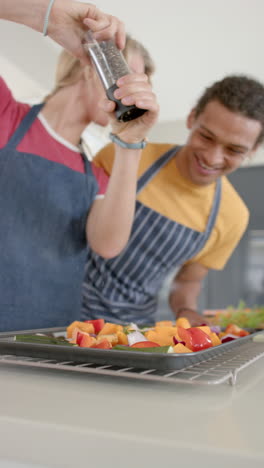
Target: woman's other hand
133, 89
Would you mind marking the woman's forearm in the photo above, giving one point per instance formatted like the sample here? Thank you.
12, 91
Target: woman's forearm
110, 220
66, 21
31, 13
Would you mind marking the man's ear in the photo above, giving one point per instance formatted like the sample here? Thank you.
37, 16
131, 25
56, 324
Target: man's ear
190, 119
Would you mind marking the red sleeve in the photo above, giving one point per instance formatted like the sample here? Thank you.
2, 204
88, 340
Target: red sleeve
11, 113
6, 97
102, 179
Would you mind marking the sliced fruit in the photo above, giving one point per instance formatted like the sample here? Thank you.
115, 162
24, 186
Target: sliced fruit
215, 339
164, 323
195, 339
110, 328
183, 322
235, 330
145, 344
113, 338
122, 338
79, 336
85, 327
86, 341
205, 329
180, 348
97, 324
163, 339
104, 344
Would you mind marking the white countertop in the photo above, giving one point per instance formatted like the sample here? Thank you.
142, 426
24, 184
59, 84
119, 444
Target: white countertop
61, 419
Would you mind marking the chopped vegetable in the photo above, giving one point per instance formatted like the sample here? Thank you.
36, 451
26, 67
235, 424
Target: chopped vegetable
162, 337
135, 337
228, 338
195, 339
243, 316
145, 344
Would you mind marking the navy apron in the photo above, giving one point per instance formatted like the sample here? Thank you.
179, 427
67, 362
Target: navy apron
43, 212
125, 288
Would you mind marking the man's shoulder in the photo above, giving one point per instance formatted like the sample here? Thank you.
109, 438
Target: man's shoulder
234, 206
150, 153
152, 149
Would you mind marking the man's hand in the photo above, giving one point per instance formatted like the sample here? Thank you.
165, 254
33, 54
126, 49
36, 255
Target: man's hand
193, 316
185, 290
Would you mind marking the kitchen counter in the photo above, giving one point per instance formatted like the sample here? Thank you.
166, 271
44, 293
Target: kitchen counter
64, 419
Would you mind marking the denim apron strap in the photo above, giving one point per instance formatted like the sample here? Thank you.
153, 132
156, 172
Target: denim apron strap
156, 166
43, 208
24, 126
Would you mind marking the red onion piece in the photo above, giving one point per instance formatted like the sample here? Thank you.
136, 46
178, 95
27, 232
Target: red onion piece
228, 338
215, 329
175, 341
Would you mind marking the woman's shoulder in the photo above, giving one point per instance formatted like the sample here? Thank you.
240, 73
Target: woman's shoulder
7, 98
11, 112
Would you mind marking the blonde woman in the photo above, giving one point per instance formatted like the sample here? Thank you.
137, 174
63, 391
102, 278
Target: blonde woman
52, 200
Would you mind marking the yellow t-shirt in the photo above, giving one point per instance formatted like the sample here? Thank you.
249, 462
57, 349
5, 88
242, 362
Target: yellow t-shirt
178, 199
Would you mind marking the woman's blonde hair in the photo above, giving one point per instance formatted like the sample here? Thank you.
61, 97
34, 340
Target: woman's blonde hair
132, 45
68, 72
69, 68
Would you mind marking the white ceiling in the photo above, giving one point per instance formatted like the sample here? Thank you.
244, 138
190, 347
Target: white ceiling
192, 42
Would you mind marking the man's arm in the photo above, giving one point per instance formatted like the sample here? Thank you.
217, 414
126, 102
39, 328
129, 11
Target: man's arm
67, 22
185, 290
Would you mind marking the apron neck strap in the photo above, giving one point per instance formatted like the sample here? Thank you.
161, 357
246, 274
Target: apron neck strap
215, 208
156, 166
25, 124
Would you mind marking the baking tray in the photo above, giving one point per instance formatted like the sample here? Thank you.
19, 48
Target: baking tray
127, 359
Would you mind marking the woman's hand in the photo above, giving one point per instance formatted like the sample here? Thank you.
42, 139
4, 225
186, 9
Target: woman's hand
69, 19
134, 89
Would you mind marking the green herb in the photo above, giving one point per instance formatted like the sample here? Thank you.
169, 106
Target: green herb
243, 316
42, 339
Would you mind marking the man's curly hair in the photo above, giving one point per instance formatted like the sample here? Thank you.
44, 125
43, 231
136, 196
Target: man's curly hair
239, 94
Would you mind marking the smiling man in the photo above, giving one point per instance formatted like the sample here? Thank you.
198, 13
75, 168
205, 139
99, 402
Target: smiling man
188, 215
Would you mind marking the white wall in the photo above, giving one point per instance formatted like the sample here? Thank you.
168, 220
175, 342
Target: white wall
193, 42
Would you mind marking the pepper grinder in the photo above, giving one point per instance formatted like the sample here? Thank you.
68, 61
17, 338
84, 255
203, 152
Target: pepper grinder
110, 65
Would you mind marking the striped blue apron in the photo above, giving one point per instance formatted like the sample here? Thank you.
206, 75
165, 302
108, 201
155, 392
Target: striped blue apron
43, 212
125, 288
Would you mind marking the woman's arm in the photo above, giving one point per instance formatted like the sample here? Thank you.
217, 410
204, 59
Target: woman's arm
67, 22
110, 220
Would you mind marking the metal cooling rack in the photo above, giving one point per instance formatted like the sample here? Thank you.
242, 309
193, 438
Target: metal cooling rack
217, 370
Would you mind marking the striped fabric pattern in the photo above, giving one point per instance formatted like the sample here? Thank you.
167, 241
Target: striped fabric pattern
125, 288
